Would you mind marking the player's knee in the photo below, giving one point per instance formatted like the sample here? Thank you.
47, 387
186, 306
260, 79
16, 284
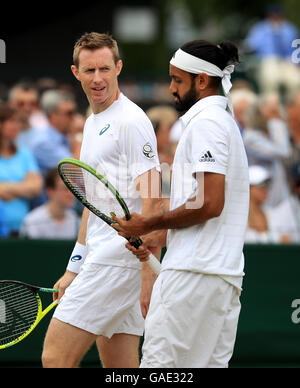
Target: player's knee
48, 359
51, 359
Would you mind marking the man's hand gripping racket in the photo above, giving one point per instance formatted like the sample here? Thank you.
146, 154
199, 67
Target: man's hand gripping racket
97, 194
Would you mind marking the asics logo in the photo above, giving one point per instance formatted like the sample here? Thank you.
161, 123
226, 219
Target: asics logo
103, 130
76, 258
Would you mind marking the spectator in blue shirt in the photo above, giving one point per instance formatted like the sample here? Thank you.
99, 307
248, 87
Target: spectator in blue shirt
3, 229
53, 144
20, 179
271, 40
25, 98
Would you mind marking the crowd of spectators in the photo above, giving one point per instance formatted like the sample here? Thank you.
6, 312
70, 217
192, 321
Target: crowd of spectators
269, 120
41, 124
270, 130
37, 129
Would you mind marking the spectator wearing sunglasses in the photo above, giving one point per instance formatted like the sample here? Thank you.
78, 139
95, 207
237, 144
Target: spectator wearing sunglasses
53, 144
24, 97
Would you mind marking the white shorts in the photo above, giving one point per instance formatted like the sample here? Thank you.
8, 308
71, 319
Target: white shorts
191, 323
103, 300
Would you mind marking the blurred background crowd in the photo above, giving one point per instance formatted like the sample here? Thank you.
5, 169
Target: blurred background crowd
43, 111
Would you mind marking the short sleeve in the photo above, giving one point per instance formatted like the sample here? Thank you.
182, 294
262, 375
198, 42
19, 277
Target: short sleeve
138, 145
208, 147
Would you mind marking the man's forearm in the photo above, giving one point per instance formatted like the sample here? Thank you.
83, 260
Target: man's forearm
182, 217
82, 231
206, 205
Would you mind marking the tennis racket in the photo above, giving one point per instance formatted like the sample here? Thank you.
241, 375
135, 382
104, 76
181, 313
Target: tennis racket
96, 193
20, 310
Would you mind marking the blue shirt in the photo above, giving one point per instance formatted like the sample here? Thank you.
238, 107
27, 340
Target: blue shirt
266, 39
28, 137
15, 169
3, 229
49, 147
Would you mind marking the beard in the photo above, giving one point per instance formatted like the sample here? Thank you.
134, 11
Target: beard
185, 102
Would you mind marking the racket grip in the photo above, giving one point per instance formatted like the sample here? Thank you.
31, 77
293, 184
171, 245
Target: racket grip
154, 263
137, 243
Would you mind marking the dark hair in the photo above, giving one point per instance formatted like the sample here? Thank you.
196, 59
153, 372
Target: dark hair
6, 113
51, 178
221, 55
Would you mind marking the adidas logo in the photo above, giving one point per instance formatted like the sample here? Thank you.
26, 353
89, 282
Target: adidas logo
207, 157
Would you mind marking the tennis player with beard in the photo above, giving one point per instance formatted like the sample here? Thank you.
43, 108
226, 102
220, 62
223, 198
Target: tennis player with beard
103, 296
194, 309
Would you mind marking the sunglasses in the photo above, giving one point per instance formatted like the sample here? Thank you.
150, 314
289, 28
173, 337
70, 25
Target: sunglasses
68, 113
22, 104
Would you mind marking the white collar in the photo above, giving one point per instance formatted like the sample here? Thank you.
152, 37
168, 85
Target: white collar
201, 105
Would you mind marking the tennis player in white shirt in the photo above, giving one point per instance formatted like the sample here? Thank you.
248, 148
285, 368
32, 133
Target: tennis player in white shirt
193, 315
103, 296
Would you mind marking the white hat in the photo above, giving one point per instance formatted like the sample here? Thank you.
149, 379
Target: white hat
258, 175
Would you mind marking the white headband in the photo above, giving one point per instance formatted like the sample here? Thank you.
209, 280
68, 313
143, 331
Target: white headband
194, 65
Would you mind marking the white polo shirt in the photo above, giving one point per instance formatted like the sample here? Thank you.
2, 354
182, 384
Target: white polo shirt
211, 142
39, 224
120, 144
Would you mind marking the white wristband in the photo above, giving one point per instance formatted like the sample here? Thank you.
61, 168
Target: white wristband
77, 258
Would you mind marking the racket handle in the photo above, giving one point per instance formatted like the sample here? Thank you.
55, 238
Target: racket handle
154, 263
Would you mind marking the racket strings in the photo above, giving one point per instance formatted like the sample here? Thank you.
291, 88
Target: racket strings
18, 311
86, 186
